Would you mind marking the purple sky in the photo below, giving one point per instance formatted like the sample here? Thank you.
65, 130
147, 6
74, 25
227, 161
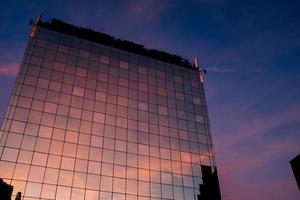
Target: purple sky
251, 50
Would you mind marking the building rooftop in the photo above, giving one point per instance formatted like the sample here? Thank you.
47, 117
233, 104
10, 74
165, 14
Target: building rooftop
105, 39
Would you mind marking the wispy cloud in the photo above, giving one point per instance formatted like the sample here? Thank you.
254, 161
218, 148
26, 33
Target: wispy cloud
233, 70
250, 154
9, 69
272, 190
267, 153
257, 168
220, 69
260, 124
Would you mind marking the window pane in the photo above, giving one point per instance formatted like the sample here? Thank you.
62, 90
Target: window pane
10, 154
36, 173
119, 185
33, 189
21, 172
67, 163
48, 191
79, 179
65, 178
106, 183
13, 140
63, 193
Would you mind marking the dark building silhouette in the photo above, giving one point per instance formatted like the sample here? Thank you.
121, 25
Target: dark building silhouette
95, 117
209, 189
18, 196
5, 190
295, 164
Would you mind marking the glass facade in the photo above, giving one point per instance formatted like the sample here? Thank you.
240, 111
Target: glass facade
87, 121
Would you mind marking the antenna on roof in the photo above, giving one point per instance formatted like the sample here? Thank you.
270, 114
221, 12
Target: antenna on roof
34, 24
196, 63
197, 67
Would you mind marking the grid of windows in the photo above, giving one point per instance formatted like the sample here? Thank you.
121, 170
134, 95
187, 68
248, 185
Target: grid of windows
90, 122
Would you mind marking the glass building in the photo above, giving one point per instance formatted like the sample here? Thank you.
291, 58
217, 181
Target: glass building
90, 121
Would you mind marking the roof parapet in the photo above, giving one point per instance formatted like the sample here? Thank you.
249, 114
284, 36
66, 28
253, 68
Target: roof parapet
105, 39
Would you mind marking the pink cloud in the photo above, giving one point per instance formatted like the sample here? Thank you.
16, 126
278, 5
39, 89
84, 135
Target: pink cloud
10, 69
258, 123
240, 179
272, 190
251, 162
246, 130
285, 146
246, 166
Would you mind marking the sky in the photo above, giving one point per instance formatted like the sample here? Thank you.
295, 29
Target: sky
251, 50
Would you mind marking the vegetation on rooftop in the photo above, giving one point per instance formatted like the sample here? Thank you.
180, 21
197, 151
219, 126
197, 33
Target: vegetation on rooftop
105, 39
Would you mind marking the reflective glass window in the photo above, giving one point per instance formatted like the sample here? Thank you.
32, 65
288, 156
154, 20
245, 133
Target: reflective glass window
63, 193
106, 183
81, 165
48, 191
14, 140
67, 163
36, 173
21, 172
94, 167
25, 156
10, 154
33, 189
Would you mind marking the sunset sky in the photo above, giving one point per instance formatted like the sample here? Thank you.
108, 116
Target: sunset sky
251, 50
